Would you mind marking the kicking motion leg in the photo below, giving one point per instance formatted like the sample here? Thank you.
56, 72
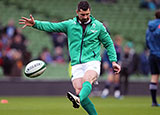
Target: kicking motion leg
84, 91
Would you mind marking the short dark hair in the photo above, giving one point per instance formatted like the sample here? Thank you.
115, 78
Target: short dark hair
84, 5
157, 14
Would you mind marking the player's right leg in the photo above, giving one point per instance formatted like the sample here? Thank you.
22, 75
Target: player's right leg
153, 86
108, 83
77, 84
154, 63
83, 91
117, 93
74, 99
84, 87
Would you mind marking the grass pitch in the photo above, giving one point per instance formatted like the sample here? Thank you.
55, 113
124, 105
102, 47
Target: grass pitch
62, 106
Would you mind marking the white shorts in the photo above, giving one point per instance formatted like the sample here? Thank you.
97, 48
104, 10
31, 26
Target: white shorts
79, 70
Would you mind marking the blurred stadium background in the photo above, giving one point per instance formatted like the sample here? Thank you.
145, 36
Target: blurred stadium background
123, 17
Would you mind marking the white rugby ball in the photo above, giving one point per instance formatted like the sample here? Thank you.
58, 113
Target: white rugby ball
35, 68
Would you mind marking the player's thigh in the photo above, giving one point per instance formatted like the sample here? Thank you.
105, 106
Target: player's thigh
92, 71
154, 78
77, 84
116, 78
90, 75
110, 78
154, 63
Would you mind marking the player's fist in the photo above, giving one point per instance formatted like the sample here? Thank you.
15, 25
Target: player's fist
116, 67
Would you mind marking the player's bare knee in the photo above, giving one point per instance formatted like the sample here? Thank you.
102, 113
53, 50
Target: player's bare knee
90, 78
78, 91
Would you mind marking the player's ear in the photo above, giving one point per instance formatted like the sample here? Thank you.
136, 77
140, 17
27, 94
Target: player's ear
77, 12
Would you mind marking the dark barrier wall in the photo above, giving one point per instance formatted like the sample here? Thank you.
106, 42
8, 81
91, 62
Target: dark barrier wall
57, 88
27, 88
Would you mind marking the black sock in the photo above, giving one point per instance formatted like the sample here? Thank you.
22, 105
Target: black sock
153, 91
116, 87
107, 86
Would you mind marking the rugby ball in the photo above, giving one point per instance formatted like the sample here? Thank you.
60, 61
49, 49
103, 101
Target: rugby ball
35, 68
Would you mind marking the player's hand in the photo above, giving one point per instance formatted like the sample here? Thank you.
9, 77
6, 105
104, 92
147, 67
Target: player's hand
27, 22
116, 67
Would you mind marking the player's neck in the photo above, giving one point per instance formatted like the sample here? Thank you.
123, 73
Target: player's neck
85, 23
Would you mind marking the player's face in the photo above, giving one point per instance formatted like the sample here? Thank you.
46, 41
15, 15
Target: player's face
84, 16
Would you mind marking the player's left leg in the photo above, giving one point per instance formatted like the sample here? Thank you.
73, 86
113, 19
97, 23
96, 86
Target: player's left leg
117, 93
89, 77
108, 83
88, 106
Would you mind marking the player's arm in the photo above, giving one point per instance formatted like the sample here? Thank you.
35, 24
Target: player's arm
108, 44
147, 38
51, 27
44, 25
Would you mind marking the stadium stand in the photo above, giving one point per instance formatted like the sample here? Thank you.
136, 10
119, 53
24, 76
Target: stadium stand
123, 17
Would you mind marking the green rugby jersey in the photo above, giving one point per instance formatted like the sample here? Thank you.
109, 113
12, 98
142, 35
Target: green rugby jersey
83, 46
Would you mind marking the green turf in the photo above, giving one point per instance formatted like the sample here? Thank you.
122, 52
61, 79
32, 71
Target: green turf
61, 106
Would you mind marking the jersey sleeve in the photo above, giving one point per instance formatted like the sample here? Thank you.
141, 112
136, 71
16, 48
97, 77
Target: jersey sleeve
108, 44
51, 27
